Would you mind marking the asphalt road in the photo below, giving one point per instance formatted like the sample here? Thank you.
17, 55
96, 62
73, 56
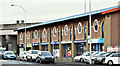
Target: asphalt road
24, 63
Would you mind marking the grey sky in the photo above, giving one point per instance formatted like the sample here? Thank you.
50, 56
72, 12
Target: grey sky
45, 10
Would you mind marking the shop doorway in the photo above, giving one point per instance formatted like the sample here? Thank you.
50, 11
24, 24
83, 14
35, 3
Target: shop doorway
44, 47
81, 48
67, 51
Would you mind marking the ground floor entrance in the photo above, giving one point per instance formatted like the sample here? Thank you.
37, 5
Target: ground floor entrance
67, 50
80, 48
44, 47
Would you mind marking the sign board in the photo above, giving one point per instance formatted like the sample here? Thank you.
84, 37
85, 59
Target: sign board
113, 48
29, 45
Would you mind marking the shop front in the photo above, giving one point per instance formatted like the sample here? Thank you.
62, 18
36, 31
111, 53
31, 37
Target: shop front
97, 44
44, 46
55, 48
80, 47
67, 51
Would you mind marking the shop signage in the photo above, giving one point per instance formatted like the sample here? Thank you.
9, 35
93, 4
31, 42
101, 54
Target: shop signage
35, 44
66, 42
113, 48
45, 43
96, 40
29, 45
79, 41
54, 43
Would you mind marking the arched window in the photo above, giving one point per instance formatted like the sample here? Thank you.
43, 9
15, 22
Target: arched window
21, 36
44, 32
35, 33
54, 31
95, 25
79, 27
66, 29
28, 34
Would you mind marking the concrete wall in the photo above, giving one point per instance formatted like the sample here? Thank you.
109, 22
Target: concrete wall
107, 31
114, 28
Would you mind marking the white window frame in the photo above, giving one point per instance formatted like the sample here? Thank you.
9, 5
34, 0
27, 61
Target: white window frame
78, 28
28, 34
55, 31
35, 33
43, 32
94, 25
67, 29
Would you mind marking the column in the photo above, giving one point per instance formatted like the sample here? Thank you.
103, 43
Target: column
31, 39
60, 46
73, 46
49, 45
87, 46
40, 40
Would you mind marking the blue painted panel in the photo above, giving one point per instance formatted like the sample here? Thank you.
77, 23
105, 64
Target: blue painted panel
101, 40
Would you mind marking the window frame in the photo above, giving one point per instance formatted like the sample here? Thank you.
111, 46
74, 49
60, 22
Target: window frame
54, 34
36, 33
28, 35
21, 36
44, 35
65, 29
97, 25
78, 27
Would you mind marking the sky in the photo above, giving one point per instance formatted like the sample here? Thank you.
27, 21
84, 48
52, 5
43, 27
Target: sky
46, 10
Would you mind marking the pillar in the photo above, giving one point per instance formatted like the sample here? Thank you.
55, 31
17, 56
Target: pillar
73, 46
60, 46
31, 39
49, 45
87, 46
40, 40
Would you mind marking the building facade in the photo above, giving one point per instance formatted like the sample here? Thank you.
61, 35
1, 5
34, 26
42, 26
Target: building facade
69, 36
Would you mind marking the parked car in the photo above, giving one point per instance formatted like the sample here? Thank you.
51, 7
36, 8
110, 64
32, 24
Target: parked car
45, 56
81, 57
1, 55
31, 55
23, 56
101, 59
86, 59
94, 57
113, 59
9, 55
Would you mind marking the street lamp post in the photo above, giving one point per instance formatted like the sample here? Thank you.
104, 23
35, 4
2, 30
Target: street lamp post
90, 28
24, 22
